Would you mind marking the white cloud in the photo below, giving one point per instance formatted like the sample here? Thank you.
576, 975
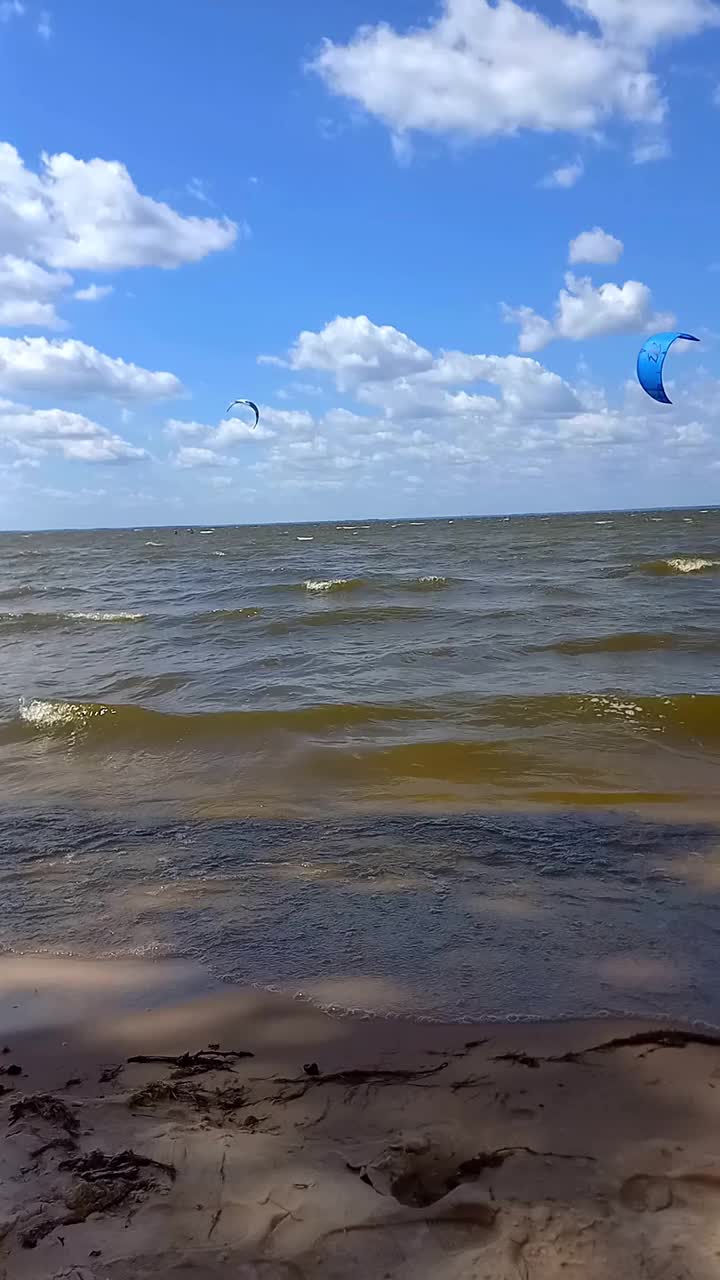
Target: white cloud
195, 456
93, 293
36, 432
44, 25
651, 149
89, 215
26, 293
595, 246
387, 369
72, 368
482, 69
197, 188
583, 311
236, 430
564, 177
354, 349
527, 425
646, 22
229, 432
526, 387
11, 9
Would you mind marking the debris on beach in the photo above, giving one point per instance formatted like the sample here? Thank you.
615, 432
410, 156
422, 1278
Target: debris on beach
45, 1107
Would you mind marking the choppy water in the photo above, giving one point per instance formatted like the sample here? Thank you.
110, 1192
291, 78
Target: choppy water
462, 768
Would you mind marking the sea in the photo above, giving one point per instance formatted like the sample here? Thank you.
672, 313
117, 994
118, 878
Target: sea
448, 769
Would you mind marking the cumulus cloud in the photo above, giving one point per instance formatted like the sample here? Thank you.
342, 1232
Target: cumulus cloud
224, 435
466, 419
354, 349
595, 246
27, 291
387, 368
73, 368
196, 456
83, 215
644, 23
568, 175
93, 293
37, 432
583, 311
481, 69
88, 214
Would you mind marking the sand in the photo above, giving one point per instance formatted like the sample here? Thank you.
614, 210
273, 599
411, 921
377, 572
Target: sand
342, 1147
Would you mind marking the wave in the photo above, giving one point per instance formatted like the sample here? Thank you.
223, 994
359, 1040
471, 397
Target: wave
118, 723
680, 564
430, 582
154, 544
226, 615
31, 621
634, 642
334, 584
104, 615
17, 593
347, 617
689, 717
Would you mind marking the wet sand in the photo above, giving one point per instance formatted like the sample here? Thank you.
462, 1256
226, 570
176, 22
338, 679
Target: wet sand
341, 1147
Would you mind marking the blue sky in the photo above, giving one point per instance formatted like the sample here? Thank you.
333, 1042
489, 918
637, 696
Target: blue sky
427, 238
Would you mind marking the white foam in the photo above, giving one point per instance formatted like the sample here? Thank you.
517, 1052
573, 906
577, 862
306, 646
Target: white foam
45, 714
100, 615
307, 538
688, 564
154, 544
328, 585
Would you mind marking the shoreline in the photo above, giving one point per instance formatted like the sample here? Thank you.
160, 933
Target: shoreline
39, 990
340, 1146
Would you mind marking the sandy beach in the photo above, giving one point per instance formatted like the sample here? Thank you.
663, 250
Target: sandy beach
255, 1137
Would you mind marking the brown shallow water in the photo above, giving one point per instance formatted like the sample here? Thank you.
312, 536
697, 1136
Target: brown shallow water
464, 768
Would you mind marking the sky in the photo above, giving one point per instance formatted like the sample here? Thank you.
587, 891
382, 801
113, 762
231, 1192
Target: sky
428, 239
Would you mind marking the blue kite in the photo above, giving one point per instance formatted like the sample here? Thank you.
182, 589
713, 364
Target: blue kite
651, 359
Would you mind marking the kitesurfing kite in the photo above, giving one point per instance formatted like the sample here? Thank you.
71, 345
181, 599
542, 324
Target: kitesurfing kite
651, 359
251, 405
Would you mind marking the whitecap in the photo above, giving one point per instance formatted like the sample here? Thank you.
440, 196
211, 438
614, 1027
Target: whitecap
689, 564
325, 584
102, 615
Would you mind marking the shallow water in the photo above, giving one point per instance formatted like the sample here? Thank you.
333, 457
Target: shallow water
461, 769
